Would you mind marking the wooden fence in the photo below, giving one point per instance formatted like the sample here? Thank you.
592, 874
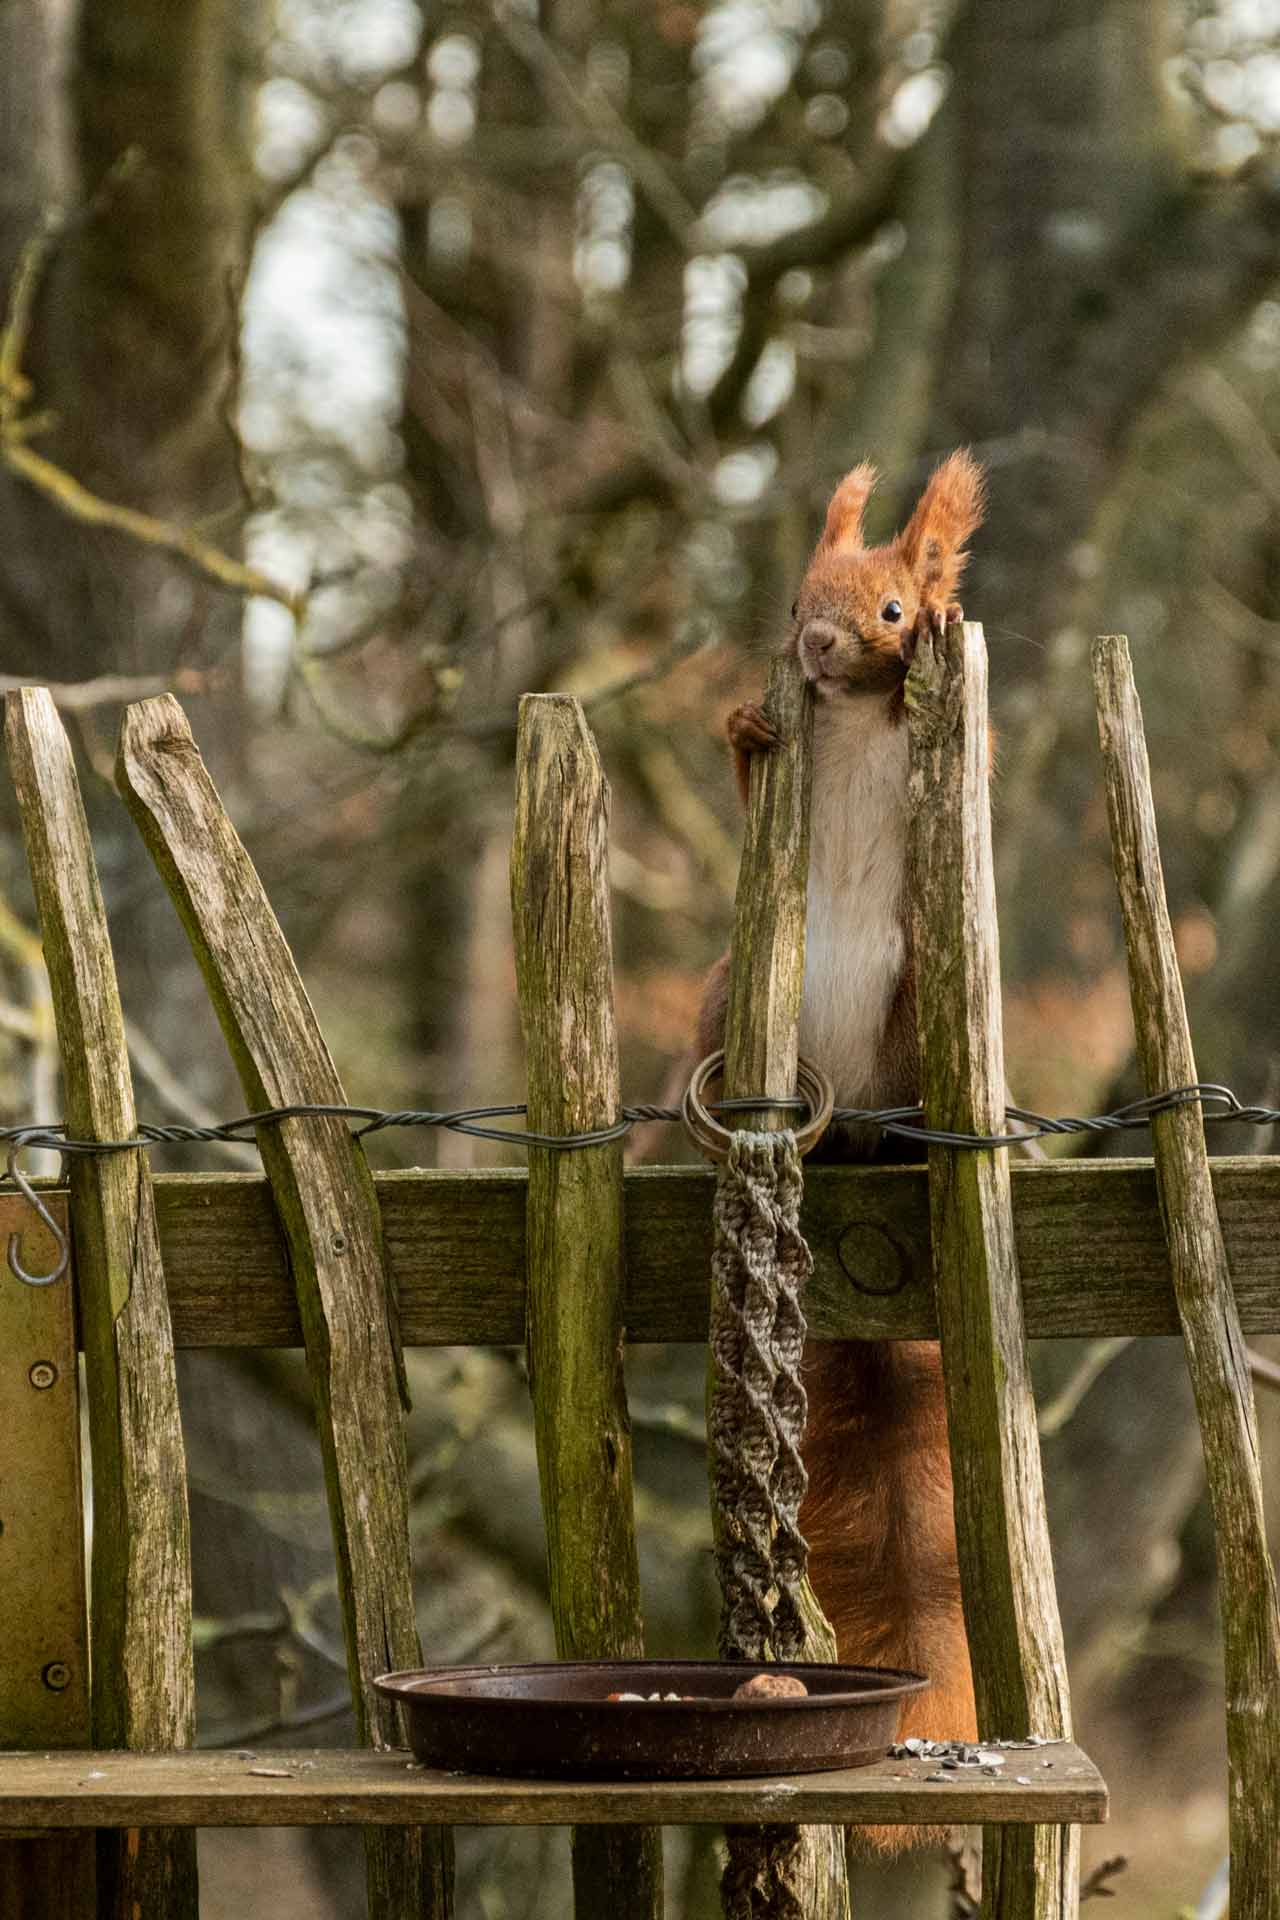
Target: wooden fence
318, 1252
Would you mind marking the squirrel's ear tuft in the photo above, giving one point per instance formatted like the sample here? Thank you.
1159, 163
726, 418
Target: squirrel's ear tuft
844, 515
949, 510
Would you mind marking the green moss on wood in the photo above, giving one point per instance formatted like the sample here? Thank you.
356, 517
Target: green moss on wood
143, 1674
328, 1209
574, 1238
1216, 1357
1006, 1568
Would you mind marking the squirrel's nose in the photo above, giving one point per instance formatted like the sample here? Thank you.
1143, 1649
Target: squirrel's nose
819, 636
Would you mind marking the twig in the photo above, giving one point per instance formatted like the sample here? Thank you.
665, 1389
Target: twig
671, 1419
964, 1897
844, 227
331, 1709
1239, 425
598, 113
686, 814
696, 635
661, 892
1098, 1355
499, 1620
156, 1071
1248, 629
208, 1631
18, 1022
15, 387
61, 487
1265, 1372
67, 492
255, 497
109, 689
1095, 1886
308, 670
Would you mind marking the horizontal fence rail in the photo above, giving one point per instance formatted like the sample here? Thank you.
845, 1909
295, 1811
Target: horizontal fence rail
328, 1787
1091, 1252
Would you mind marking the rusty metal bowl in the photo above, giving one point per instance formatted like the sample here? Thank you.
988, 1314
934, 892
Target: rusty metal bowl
552, 1719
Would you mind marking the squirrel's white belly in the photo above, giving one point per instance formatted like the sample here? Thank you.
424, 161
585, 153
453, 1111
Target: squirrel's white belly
855, 945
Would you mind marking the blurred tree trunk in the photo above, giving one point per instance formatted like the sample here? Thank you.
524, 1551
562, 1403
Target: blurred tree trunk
1068, 185
1088, 264
134, 120
130, 118
1050, 213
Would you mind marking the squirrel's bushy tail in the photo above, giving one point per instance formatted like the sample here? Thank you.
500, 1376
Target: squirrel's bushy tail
879, 1522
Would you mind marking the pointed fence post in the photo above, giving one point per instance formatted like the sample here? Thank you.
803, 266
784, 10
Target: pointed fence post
575, 1333
1002, 1535
1216, 1357
143, 1675
761, 1046
328, 1210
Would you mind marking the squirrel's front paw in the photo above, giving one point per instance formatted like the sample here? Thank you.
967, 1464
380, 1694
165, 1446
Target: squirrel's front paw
750, 730
929, 620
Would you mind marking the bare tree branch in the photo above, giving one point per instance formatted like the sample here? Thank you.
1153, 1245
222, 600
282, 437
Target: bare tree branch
61, 487
594, 110
112, 689
1096, 1887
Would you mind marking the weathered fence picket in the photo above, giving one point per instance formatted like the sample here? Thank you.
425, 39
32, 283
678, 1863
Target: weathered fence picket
325, 1197
143, 1692
761, 1048
575, 1258
574, 1237
1216, 1358
1006, 1568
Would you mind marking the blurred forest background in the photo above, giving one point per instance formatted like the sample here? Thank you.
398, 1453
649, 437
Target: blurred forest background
519, 346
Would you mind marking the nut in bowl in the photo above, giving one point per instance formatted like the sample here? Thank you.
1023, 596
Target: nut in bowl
568, 1719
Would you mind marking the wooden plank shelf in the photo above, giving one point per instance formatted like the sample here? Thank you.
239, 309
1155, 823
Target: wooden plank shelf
333, 1787
1091, 1253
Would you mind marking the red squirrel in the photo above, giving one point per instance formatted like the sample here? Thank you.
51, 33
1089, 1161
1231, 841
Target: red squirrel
878, 1514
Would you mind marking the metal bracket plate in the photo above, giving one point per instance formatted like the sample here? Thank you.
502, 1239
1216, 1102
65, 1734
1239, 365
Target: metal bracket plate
44, 1661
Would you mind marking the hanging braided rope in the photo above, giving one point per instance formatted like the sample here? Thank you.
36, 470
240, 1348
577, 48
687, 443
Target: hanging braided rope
759, 1266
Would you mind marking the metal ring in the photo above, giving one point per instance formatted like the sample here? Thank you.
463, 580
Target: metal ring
707, 1133
14, 1172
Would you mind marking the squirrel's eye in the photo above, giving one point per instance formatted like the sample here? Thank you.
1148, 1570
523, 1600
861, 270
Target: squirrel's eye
892, 611
795, 605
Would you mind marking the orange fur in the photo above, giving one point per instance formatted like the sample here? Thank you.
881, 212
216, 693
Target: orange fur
949, 510
881, 1533
849, 585
878, 1515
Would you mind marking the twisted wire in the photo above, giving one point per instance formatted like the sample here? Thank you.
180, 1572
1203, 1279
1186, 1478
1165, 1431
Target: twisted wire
1219, 1104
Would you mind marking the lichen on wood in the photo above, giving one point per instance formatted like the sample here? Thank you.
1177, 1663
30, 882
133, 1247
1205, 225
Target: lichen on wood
328, 1209
766, 974
1006, 1569
143, 1690
1216, 1358
762, 1024
574, 1239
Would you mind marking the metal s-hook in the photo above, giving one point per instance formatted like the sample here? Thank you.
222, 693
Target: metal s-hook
14, 1172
